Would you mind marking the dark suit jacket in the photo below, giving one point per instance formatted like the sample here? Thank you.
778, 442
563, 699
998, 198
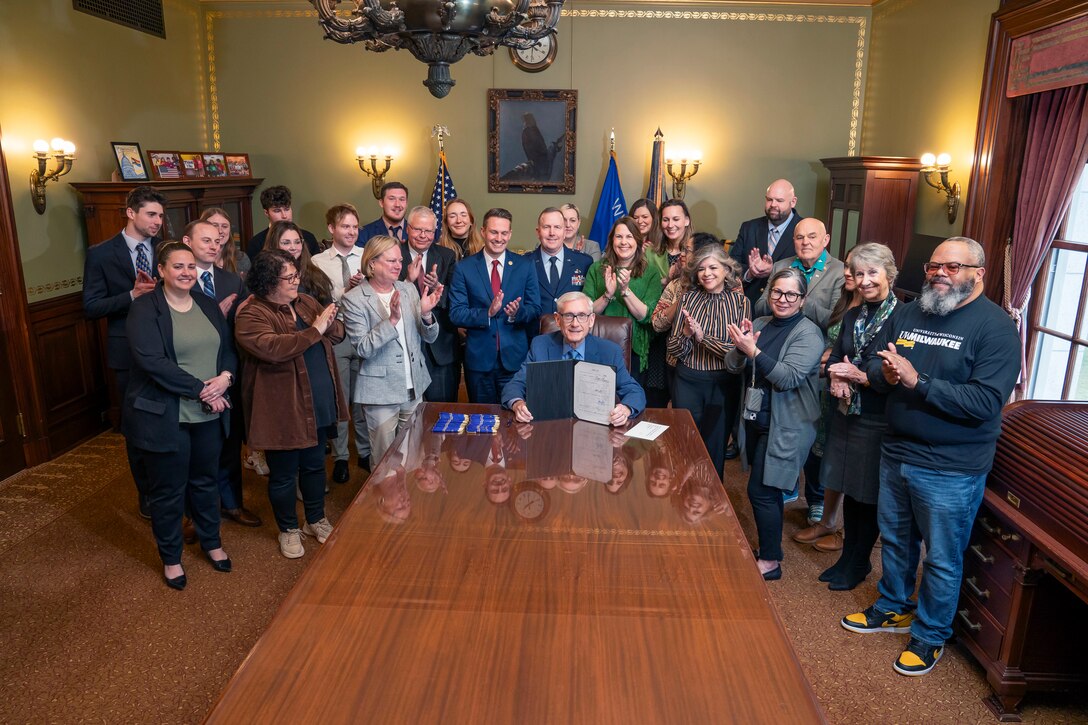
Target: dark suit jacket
226, 284
572, 277
157, 384
753, 234
598, 350
256, 244
470, 297
376, 228
445, 349
108, 277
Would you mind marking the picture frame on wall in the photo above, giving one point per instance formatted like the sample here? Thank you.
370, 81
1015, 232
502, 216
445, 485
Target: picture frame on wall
130, 160
215, 166
192, 165
165, 165
238, 165
531, 140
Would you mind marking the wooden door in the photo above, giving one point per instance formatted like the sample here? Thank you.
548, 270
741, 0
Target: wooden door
12, 458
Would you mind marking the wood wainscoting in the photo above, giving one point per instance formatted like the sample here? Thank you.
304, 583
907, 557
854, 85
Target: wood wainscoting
66, 352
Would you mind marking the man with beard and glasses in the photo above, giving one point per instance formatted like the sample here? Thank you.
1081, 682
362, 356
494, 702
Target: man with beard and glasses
767, 239
949, 363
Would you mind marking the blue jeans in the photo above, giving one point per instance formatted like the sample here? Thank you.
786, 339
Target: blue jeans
938, 507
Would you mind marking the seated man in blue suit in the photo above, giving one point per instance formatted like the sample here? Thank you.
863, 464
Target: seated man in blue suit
558, 270
494, 295
575, 318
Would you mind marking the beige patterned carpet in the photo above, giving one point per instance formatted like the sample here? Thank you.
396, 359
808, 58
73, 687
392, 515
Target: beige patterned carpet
88, 632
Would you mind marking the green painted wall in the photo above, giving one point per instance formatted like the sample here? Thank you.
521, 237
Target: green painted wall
922, 93
72, 75
762, 95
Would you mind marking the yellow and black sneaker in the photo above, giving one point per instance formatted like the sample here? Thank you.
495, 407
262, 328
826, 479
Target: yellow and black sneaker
918, 658
873, 620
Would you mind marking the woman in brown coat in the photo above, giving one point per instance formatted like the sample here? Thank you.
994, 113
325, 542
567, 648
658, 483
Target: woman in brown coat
290, 391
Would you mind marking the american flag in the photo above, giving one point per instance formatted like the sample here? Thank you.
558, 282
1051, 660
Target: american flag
443, 190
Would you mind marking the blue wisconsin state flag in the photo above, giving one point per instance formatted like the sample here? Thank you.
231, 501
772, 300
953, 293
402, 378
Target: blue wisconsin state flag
443, 192
656, 191
611, 205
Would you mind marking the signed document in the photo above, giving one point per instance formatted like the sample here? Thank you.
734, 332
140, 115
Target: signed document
594, 392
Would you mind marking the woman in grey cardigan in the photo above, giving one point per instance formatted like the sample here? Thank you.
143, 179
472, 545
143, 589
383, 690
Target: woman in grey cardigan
781, 405
386, 320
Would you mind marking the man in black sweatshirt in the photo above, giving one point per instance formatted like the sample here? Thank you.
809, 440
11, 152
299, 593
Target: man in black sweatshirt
950, 361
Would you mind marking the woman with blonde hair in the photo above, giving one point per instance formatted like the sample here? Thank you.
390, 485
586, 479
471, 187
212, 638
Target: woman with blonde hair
231, 257
573, 239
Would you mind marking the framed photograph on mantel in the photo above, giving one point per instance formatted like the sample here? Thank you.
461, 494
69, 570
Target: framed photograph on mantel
130, 160
237, 165
164, 164
215, 165
192, 165
531, 138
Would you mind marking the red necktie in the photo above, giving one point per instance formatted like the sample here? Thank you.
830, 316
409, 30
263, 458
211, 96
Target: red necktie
496, 287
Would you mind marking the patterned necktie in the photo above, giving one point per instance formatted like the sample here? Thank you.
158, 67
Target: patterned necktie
772, 240
207, 285
422, 272
345, 270
573, 355
553, 275
496, 287
142, 263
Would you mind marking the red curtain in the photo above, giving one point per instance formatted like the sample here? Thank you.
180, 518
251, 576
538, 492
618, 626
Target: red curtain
1054, 159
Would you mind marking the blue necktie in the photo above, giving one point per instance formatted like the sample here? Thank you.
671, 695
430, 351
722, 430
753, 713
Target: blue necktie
573, 355
206, 284
142, 263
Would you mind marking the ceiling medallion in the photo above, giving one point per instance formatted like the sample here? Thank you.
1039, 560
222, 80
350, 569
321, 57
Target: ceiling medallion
440, 32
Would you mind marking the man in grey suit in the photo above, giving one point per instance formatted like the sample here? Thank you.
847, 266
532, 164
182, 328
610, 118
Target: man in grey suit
823, 272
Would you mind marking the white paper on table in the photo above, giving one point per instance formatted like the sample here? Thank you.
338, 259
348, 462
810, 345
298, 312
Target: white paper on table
594, 392
647, 431
591, 451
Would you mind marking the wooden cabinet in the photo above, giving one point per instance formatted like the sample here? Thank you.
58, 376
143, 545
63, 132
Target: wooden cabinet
871, 199
104, 215
104, 205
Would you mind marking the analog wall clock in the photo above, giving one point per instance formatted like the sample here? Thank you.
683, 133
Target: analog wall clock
537, 57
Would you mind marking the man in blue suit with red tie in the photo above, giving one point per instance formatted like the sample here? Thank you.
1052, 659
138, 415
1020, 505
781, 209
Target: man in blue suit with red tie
558, 270
495, 296
573, 342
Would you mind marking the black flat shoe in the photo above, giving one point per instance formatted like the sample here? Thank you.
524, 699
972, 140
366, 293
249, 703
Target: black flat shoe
177, 582
731, 452
340, 472
846, 581
829, 573
773, 575
222, 565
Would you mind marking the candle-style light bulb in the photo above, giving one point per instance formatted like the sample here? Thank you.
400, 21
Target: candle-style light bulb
57, 143
944, 160
41, 146
360, 152
69, 148
928, 159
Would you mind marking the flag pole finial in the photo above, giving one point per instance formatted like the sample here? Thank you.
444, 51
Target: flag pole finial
658, 136
441, 132
612, 142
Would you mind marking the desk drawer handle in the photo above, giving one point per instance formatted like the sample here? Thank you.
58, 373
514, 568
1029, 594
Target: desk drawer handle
977, 549
967, 621
1010, 537
973, 586
988, 527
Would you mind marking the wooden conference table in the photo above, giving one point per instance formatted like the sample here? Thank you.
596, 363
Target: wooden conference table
574, 582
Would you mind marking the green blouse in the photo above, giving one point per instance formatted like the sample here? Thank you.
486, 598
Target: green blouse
647, 288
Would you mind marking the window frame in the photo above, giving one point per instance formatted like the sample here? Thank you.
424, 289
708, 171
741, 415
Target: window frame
1036, 310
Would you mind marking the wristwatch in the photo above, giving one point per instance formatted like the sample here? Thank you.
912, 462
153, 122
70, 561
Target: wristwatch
624, 293
922, 386
230, 377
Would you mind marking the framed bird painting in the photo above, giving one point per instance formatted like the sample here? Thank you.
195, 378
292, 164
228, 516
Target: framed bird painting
531, 141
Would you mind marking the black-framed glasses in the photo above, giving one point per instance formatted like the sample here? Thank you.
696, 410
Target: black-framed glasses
789, 296
582, 317
950, 267
292, 277
424, 232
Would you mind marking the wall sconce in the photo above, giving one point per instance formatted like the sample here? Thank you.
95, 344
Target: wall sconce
64, 152
377, 178
939, 164
680, 178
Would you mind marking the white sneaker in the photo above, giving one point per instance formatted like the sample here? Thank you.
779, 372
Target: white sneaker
291, 544
320, 530
255, 461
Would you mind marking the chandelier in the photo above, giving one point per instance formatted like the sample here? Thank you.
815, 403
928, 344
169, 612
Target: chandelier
440, 32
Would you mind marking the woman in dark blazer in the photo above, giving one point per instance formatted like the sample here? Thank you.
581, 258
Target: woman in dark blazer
177, 407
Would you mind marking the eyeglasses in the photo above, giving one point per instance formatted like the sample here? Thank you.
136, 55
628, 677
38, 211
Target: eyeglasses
424, 232
292, 277
777, 294
569, 317
950, 267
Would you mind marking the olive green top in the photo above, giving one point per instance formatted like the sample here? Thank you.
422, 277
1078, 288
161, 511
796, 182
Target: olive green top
196, 348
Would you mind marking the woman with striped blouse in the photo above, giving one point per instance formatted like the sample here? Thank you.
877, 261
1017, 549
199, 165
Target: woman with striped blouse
699, 342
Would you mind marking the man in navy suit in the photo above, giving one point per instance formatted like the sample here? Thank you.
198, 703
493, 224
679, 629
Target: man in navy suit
427, 265
495, 296
575, 319
228, 290
276, 202
116, 272
767, 239
394, 202
558, 270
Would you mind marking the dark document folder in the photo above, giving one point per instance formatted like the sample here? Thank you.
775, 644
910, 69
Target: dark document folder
570, 389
